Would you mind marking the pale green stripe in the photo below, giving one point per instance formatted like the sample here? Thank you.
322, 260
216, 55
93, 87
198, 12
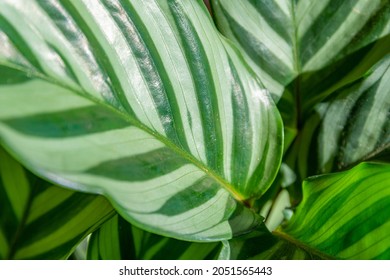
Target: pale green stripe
370, 246
306, 12
248, 17
76, 52
46, 201
285, 6
123, 62
50, 62
27, 98
342, 37
175, 64
359, 201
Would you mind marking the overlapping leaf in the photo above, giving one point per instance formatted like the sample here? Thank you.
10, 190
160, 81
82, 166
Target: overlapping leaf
345, 214
42, 221
119, 240
351, 127
304, 50
143, 102
268, 247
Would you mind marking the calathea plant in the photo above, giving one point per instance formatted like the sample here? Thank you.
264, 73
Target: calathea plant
152, 125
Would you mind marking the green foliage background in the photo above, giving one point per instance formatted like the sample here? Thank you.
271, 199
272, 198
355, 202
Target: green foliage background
257, 129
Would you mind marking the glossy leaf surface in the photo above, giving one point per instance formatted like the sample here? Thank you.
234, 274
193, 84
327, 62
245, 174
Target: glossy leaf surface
304, 50
345, 214
39, 220
143, 102
353, 126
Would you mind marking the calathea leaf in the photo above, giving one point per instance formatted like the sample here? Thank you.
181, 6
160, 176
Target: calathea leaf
119, 240
351, 127
42, 221
345, 214
330, 42
305, 50
143, 102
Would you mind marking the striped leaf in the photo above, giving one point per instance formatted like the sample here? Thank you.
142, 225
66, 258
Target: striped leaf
119, 240
42, 221
143, 102
306, 49
345, 214
352, 127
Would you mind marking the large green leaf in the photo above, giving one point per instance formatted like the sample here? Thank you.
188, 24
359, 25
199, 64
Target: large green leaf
306, 49
119, 240
345, 214
143, 102
42, 221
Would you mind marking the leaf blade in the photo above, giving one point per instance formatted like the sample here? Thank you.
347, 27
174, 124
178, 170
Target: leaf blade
346, 213
159, 105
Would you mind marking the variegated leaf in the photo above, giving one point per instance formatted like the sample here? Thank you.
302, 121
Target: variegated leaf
42, 221
143, 102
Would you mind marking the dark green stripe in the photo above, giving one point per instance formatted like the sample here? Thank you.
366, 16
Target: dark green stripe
140, 167
170, 250
263, 242
11, 76
152, 68
69, 29
383, 256
58, 252
69, 123
8, 220
323, 27
19, 43
259, 53
51, 221
103, 60
355, 124
127, 248
357, 228
373, 28
275, 17
198, 194
329, 208
204, 86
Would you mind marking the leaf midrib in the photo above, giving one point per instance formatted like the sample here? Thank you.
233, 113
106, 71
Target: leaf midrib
222, 182
306, 248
